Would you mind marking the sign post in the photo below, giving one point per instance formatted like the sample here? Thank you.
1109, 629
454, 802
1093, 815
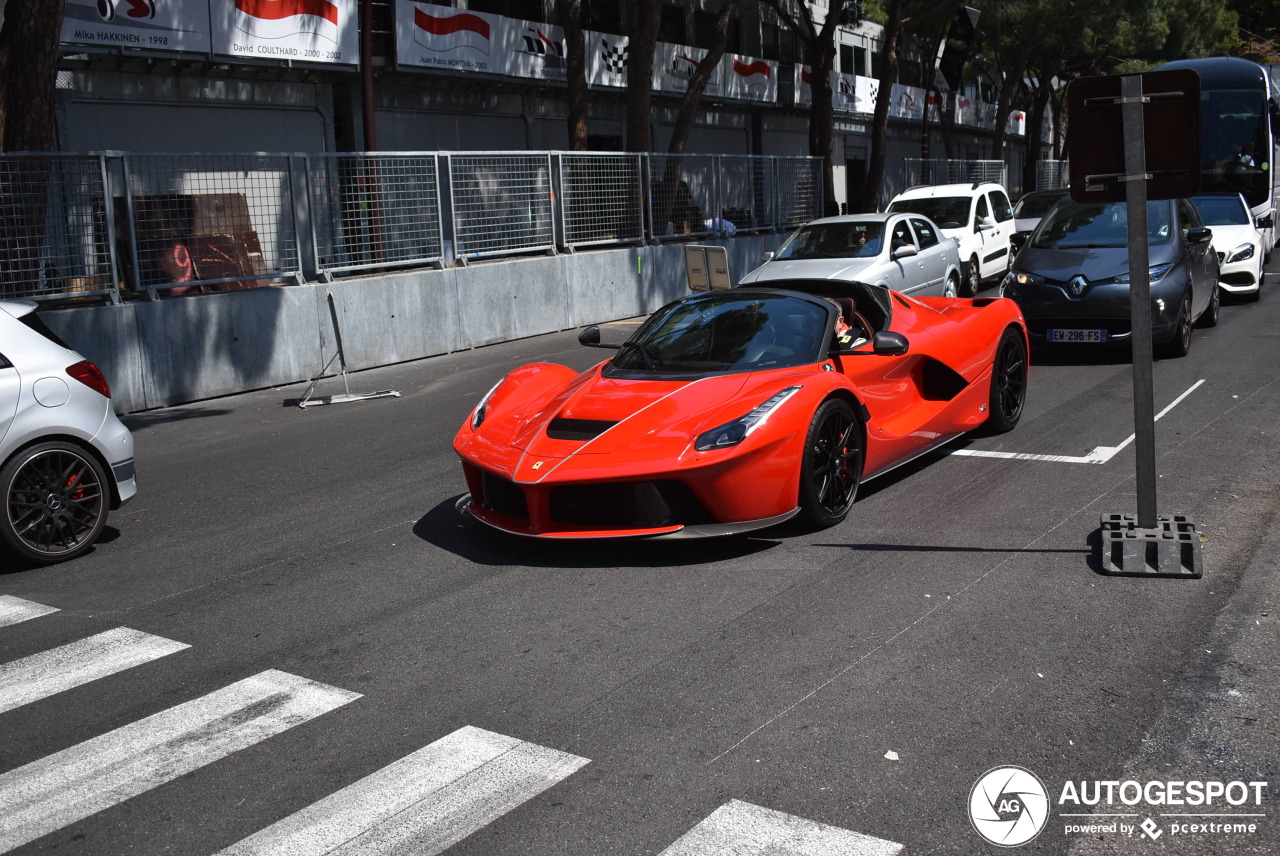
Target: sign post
1111, 162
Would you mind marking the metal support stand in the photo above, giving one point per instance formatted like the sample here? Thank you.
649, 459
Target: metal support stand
1145, 544
347, 395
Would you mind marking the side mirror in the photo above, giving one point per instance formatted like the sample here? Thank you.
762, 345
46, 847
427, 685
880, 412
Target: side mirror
1266, 221
983, 224
590, 337
1199, 234
889, 343
905, 251
1018, 240
768, 257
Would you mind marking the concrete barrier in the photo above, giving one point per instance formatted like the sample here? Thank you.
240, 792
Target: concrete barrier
171, 351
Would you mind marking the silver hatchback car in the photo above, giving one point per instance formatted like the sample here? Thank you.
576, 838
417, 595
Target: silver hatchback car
65, 458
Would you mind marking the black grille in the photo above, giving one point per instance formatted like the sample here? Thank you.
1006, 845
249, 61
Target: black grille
503, 496
578, 429
626, 505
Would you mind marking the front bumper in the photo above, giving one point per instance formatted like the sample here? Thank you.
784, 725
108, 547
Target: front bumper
1104, 306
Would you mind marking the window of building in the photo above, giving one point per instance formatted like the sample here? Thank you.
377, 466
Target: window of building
671, 27
846, 59
704, 31
859, 61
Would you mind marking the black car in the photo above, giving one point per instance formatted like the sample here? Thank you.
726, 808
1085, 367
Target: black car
1072, 278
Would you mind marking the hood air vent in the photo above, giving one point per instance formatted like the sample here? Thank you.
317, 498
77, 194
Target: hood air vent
580, 430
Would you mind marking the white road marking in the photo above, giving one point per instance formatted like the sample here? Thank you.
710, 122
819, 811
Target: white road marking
1099, 455
14, 610
80, 781
422, 804
54, 671
743, 829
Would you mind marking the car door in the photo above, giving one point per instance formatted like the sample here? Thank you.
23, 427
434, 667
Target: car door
1002, 234
10, 386
1203, 257
932, 257
903, 274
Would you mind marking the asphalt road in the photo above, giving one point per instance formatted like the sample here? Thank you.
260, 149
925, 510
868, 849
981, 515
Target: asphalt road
613, 698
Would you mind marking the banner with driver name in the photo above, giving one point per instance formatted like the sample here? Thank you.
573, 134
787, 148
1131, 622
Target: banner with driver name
324, 31
150, 25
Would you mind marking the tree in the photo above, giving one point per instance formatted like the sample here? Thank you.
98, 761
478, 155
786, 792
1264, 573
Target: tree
30, 46
643, 18
890, 44
702, 74
820, 51
576, 68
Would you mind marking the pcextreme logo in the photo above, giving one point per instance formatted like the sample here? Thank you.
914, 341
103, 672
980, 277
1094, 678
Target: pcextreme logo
1009, 806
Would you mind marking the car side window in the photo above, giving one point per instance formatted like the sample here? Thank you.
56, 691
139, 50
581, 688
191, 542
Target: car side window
984, 210
1189, 216
901, 235
1000, 206
925, 232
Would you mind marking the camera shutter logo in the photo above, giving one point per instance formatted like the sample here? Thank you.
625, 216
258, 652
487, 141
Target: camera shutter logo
1008, 806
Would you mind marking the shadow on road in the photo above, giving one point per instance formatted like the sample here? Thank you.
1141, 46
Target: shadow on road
445, 528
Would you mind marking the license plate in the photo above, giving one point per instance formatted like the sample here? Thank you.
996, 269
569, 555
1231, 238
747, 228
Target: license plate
1076, 335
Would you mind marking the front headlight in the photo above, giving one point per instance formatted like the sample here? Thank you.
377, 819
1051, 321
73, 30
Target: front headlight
1155, 273
1017, 278
733, 433
1240, 253
477, 415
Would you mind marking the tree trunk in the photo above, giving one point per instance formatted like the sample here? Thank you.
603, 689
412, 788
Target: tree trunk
822, 120
701, 76
1035, 120
642, 38
576, 49
880, 122
30, 46
1008, 89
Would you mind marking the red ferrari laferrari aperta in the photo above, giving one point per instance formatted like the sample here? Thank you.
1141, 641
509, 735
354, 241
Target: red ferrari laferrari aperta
729, 411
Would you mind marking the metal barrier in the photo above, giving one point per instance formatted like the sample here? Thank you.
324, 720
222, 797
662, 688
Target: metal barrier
747, 185
957, 171
799, 190
501, 203
55, 227
170, 224
375, 210
682, 192
1051, 174
209, 222
601, 199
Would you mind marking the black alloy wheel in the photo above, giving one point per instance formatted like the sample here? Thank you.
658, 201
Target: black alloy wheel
832, 464
55, 502
1179, 344
973, 279
1008, 383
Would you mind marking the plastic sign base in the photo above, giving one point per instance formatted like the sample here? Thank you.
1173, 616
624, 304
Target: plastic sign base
1171, 549
348, 396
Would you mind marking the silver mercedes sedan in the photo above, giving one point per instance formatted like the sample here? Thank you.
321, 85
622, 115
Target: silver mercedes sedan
65, 458
902, 252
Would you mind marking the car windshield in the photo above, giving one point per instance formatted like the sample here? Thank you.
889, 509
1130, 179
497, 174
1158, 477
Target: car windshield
1035, 205
1098, 224
728, 332
949, 212
857, 239
1222, 210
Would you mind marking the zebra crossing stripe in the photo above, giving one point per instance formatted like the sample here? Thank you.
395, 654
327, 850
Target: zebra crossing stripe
97, 774
49, 672
744, 829
15, 610
422, 804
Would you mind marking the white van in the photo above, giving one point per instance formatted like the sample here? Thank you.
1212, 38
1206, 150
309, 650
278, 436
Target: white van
978, 216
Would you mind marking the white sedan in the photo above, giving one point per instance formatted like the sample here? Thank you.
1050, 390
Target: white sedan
903, 252
1237, 241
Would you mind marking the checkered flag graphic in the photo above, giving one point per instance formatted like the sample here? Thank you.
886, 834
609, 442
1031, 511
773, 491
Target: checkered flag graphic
613, 57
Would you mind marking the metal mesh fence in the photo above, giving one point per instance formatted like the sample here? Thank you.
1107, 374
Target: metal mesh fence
375, 210
210, 222
600, 199
799, 190
683, 195
746, 192
957, 171
1051, 174
55, 228
501, 202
